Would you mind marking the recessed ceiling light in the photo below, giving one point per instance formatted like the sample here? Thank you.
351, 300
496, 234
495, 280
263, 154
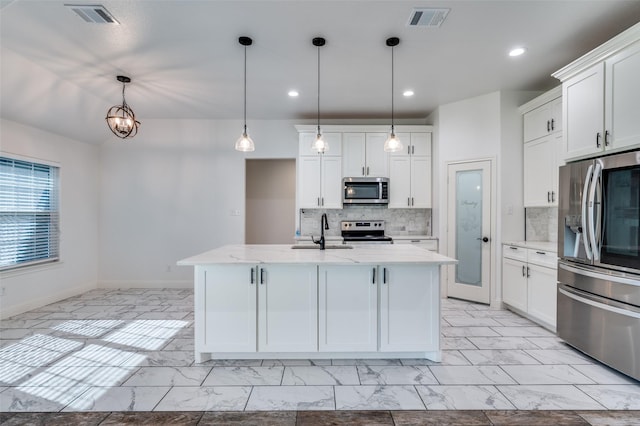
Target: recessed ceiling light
293, 93
517, 51
407, 93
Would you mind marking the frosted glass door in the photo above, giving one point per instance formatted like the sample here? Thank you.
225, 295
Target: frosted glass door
469, 219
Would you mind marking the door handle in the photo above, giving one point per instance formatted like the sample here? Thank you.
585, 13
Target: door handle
413, 149
598, 140
253, 276
553, 196
261, 275
553, 126
384, 275
362, 170
322, 201
523, 268
367, 170
548, 126
318, 201
548, 196
606, 138
408, 201
412, 203
373, 276
528, 272
486, 240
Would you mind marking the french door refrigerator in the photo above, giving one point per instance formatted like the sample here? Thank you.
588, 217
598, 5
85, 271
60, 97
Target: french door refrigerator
599, 259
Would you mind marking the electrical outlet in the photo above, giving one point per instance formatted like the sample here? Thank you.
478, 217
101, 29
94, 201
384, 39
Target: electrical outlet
235, 212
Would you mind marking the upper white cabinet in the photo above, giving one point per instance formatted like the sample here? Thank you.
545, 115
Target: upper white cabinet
410, 172
601, 92
542, 134
363, 155
320, 175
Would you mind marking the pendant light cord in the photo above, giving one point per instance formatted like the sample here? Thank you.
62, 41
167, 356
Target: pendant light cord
318, 89
245, 90
392, 129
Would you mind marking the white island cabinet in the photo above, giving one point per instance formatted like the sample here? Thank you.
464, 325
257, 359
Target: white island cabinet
274, 302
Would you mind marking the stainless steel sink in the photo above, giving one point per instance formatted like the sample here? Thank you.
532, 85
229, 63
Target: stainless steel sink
317, 247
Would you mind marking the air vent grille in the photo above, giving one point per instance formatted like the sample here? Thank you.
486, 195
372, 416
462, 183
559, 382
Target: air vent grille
93, 13
421, 17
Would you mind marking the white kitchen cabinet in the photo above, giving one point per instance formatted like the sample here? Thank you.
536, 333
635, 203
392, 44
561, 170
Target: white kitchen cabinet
319, 176
410, 173
287, 308
543, 120
407, 320
225, 309
601, 106
363, 155
347, 308
529, 283
541, 165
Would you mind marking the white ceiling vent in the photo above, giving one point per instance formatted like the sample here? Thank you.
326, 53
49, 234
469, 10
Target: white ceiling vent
93, 13
425, 17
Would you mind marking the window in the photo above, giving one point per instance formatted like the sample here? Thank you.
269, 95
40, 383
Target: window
29, 231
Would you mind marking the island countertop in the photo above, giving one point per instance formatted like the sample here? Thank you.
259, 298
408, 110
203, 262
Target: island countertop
282, 253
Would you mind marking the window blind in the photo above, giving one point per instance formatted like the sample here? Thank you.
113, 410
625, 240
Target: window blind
29, 214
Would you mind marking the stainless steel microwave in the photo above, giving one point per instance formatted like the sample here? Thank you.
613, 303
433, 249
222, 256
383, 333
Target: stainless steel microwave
365, 190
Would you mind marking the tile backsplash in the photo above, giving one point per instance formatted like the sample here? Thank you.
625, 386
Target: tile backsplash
541, 223
397, 221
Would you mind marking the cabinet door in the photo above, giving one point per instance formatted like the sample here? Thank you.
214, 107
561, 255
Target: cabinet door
421, 144
405, 138
409, 308
347, 309
377, 160
331, 186
309, 181
541, 294
353, 155
622, 119
583, 97
539, 169
537, 123
556, 115
420, 182
514, 283
400, 182
288, 308
225, 310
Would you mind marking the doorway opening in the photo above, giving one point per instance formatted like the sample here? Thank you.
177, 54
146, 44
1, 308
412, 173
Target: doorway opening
270, 201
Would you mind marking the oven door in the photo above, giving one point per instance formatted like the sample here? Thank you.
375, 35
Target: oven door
617, 222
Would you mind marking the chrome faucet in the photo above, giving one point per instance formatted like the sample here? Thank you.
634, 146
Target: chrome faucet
324, 224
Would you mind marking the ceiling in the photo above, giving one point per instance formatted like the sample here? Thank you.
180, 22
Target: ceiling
58, 72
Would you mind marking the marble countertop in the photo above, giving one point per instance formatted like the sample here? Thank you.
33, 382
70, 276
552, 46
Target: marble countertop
551, 246
359, 254
413, 237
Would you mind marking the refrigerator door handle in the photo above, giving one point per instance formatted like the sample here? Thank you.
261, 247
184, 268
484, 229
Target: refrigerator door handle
585, 239
592, 209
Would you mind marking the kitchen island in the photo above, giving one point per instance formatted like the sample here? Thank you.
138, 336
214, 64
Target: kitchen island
275, 302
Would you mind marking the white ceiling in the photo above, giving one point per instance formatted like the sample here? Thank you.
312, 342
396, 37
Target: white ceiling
58, 72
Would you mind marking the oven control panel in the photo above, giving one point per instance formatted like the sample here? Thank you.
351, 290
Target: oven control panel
362, 225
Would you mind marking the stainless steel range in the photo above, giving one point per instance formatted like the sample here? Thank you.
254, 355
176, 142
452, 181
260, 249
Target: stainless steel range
364, 231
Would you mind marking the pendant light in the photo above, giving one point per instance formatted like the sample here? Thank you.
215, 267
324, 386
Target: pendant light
120, 118
244, 142
319, 145
392, 144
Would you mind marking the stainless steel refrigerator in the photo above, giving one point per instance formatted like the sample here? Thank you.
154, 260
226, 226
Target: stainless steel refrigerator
599, 259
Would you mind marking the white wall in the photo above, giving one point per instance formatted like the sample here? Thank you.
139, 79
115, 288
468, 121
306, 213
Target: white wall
169, 193
484, 127
76, 272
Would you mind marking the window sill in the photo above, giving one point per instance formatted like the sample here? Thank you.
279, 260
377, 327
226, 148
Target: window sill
30, 269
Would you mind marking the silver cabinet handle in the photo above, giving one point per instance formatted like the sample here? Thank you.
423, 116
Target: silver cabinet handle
598, 140
412, 201
384, 275
541, 252
261, 275
322, 201
367, 170
606, 138
374, 276
548, 126
318, 201
413, 149
362, 170
553, 196
408, 201
408, 150
528, 272
553, 124
253, 276
523, 269
548, 196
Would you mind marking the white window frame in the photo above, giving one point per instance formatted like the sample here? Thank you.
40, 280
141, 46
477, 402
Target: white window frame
43, 245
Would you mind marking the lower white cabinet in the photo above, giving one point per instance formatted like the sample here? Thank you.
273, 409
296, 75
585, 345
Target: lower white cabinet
529, 282
225, 308
408, 321
309, 308
347, 308
287, 308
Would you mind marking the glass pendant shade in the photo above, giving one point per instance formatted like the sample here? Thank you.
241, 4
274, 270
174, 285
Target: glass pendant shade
244, 142
320, 145
120, 118
393, 143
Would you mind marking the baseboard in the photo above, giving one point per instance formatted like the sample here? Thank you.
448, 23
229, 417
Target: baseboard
10, 311
145, 284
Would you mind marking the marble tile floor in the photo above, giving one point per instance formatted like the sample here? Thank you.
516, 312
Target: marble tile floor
112, 353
